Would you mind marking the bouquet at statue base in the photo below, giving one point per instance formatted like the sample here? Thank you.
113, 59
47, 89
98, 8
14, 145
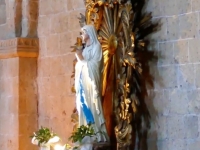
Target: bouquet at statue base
83, 138
44, 138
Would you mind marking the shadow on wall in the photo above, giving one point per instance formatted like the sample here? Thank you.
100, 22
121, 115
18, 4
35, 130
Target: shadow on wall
148, 59
26, 18
147, 82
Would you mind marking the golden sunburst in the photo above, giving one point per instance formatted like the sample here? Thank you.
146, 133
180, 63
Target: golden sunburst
109, 32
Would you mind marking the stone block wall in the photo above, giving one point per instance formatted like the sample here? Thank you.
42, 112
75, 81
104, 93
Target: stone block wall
9, 104
58, 28
174, 100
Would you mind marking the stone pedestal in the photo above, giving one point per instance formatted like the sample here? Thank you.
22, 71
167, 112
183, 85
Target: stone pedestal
18, 92
101, 146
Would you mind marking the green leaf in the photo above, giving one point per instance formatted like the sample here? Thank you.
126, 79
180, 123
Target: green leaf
43, 135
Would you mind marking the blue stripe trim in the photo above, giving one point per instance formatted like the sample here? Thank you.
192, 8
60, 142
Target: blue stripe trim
86, 110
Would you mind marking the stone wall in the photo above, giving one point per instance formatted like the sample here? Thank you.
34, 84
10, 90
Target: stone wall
2, 12
2, 18
9, 104
174, 102
58, 28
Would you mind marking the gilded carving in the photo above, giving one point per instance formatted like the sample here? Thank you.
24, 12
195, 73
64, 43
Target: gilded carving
121, 28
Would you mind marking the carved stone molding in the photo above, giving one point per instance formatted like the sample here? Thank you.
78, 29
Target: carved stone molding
19, 47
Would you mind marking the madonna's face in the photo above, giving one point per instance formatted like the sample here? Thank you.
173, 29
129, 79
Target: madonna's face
84, 35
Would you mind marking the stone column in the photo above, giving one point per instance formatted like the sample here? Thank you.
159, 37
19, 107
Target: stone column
29, 21
3, 18
18, 72
18, 18
18, 93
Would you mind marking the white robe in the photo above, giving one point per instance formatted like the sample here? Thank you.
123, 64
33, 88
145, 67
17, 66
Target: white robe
91, 71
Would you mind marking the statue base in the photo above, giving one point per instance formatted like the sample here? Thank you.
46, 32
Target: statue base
101, 146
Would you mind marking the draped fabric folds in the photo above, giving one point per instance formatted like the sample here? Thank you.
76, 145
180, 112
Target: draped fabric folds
88, 73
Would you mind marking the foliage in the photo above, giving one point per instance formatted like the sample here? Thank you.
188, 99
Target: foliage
43, 135
81, 132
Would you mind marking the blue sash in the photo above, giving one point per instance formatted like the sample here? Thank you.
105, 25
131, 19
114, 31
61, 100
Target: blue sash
86, 110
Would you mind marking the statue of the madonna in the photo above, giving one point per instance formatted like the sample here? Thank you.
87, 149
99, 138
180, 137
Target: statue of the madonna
88, 74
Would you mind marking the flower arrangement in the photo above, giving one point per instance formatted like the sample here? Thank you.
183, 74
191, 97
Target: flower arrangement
81, 132
44, 136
